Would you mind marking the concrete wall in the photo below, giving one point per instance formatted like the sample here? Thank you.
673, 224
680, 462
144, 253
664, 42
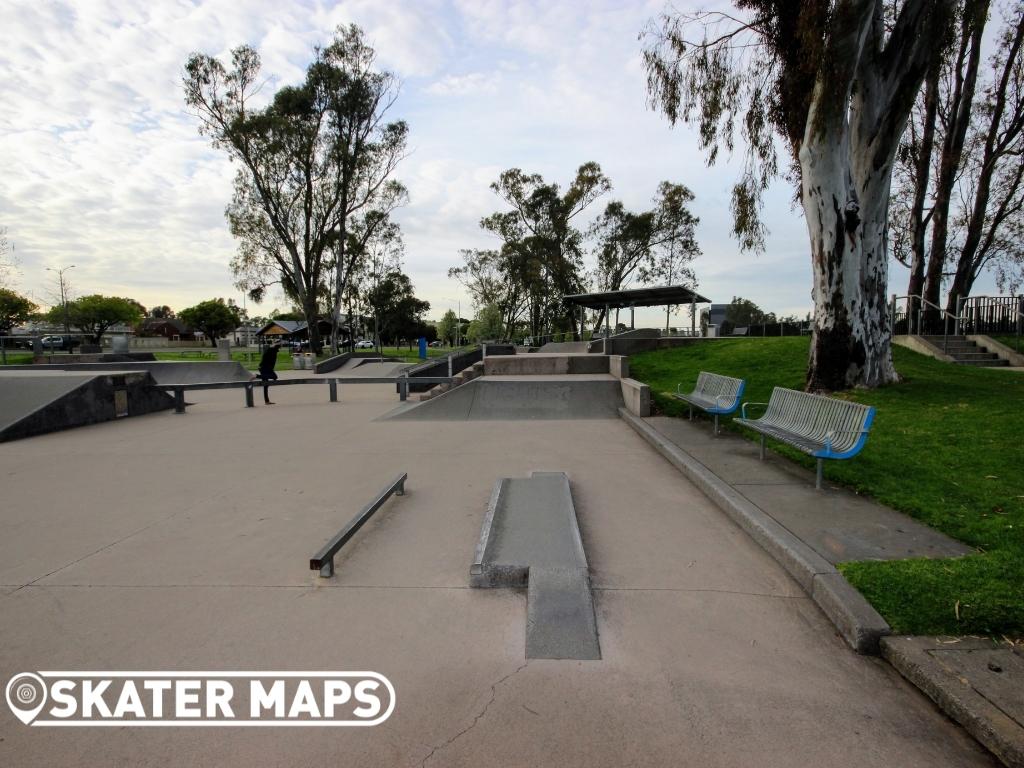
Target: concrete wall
618, 366
636, 396
540, 364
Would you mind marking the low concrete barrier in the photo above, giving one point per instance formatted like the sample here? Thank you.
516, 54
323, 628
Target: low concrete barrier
636, 396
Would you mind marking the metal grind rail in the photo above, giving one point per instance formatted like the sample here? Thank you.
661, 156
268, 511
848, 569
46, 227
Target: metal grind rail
333, 383
323, 560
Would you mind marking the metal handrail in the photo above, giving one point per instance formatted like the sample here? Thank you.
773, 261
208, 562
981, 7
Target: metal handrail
947, 316
323, 561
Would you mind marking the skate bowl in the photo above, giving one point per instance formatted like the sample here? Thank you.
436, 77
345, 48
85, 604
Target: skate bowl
512, 398
35, 403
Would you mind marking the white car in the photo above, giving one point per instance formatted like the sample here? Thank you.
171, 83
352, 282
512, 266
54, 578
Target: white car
364, 344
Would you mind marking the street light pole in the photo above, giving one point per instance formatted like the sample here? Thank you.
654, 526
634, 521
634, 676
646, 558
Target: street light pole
63, 294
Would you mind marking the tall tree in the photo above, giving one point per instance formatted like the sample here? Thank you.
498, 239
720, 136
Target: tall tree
8, 264
836, 81
959, 177
95, 314
318, 155
651, 245
394, 303
541, 244
15, 309
214, 317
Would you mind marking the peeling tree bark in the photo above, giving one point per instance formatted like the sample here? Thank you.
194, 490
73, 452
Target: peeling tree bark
861, 102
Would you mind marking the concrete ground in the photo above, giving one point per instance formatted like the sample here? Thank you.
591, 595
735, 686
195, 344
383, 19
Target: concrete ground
182, 542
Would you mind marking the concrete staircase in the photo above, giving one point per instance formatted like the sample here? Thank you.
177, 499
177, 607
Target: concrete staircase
966, 352
468, 374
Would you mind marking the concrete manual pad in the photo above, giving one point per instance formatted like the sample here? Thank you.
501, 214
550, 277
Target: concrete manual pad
530, 537
838, 525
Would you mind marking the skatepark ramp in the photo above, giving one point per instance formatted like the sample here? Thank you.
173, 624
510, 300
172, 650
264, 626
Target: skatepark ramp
504, 398
163, 372
35, 403
530, 538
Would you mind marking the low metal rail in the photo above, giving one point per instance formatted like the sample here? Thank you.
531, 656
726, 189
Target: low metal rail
323, 560
333, 382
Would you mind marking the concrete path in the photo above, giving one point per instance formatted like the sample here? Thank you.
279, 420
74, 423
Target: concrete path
182, 542
836, 524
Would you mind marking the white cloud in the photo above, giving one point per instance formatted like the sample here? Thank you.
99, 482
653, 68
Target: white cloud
103, 168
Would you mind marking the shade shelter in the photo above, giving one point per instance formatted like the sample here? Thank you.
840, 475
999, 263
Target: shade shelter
657, 296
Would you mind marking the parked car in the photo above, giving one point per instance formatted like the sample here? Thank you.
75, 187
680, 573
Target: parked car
435, 344
364, 344
66, 343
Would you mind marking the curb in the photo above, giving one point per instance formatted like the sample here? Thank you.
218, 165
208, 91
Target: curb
858, 623
997, 732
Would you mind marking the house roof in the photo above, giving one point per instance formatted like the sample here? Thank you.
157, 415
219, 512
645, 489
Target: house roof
657, 296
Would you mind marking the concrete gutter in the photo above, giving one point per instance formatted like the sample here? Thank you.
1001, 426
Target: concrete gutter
953, 675
858, 623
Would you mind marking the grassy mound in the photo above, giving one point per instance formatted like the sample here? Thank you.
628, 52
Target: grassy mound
946, 448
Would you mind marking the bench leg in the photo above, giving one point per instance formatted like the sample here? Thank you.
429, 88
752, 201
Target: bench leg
716, 425
327, 569
817, 478
691, 413
400, 491
762, 447
179, 400
248, 396
333, 384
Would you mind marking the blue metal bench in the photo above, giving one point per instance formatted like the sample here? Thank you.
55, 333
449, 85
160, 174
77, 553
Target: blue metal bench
823, 427
714, 394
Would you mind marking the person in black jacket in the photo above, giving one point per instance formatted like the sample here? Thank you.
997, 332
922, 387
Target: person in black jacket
267, 363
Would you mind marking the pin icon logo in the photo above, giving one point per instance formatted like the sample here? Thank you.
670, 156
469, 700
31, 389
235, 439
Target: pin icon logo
26, 695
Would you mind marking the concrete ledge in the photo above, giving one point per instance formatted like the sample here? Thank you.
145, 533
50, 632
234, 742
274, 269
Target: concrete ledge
858, 623
636, 396
1006, 353
618, 366
922, 347
916, 659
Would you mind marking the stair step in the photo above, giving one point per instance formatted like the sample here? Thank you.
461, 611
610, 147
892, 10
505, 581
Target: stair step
997, 363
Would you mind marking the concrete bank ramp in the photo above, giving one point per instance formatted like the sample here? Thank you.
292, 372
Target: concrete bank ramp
33, 403
509, 398
530, 538
163, 372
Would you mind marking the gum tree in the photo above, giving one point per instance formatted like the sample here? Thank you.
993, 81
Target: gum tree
312, 162
835, 80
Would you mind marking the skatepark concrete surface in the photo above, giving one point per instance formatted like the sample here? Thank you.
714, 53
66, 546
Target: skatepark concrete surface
172, 542
163, 371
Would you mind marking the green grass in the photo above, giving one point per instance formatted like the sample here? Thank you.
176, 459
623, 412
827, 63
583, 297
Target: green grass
1013, 342
18, 357
945, 448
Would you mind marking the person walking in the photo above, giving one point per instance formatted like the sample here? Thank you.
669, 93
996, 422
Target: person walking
266, 372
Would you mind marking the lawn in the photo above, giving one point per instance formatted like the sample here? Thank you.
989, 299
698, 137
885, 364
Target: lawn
946, 448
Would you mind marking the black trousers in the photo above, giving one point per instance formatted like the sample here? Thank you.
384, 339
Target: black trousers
267, 376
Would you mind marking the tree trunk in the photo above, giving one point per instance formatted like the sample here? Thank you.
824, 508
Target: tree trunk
915, 286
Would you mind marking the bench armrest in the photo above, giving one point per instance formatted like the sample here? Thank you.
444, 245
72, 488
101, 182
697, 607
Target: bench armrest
743, 409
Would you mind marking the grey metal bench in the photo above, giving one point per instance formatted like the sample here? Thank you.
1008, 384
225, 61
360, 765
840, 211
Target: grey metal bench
822, 427
715, 394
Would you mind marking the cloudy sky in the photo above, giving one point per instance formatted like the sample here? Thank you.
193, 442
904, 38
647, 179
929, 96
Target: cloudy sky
103, 168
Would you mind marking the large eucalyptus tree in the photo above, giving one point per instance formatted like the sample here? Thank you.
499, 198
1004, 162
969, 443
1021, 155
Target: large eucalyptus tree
315, 164
835, 80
